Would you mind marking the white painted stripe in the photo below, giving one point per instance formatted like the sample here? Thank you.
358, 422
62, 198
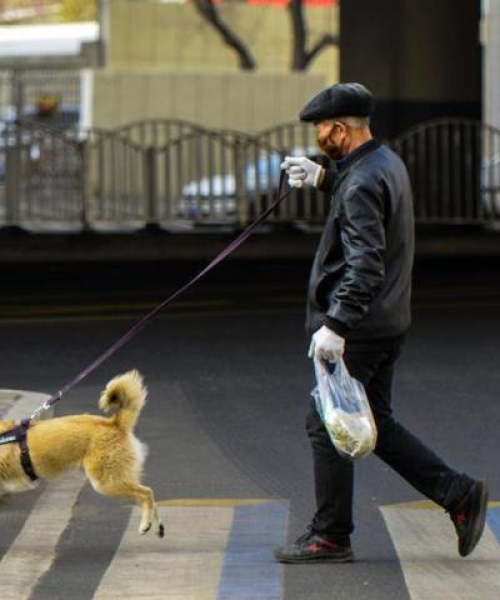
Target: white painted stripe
21, 404
426, 544
185, 565
34, 550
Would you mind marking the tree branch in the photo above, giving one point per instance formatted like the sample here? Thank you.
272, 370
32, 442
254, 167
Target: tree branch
301, 57
209, 12
299, 35
327, 40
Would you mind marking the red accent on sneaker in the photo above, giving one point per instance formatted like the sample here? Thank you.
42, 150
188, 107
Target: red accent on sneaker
324, 544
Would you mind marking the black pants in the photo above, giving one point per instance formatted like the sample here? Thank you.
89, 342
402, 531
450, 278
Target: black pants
396, 446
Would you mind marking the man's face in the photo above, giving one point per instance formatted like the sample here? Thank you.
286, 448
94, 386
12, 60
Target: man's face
332, 137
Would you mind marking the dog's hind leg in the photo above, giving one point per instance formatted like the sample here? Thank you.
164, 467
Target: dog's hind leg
142, 495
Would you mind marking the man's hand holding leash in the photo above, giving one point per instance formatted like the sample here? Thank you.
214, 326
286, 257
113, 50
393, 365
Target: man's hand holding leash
302, 171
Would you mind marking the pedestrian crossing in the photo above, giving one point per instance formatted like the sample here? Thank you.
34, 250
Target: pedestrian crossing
185, 565
424, 537
34, 549
216, 549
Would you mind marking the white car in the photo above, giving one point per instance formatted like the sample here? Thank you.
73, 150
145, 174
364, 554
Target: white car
490, 184
216, 196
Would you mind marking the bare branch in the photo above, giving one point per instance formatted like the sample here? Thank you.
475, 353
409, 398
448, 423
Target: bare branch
301, 57
209, 12
299, 35
327, 40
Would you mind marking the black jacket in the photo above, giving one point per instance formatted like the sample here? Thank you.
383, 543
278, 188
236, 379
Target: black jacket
360, 282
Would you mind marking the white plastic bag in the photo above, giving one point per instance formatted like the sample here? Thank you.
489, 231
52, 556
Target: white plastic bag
345, 411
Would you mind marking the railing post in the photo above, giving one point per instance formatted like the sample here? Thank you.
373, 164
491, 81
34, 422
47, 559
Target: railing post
239, 182
12, 183
151, 186
17, 93
13, 150
84, 148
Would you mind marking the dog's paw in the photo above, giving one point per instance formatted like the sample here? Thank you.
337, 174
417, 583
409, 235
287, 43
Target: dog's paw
143, 530
160, 532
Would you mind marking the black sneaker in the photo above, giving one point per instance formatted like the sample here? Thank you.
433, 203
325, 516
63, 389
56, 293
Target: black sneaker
311, 547
469, 516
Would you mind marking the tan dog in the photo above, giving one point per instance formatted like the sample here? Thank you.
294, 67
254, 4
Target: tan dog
106, 448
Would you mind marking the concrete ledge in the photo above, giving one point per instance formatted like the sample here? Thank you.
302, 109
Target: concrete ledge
18, 246
22, 247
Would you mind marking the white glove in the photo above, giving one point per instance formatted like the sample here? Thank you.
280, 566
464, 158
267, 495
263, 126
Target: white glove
326, 345
301, 171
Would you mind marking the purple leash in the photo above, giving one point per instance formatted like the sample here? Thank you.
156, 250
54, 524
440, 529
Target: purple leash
141, 324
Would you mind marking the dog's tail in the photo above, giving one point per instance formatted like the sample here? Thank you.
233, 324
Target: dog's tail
127, 394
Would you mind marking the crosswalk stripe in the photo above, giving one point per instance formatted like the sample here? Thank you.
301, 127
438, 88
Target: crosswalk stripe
493, 519
18, 404
34, 549
212, 552
187, 564
426, 545
249, 571
219, 502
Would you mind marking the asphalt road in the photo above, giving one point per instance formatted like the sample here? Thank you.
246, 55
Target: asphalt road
228, 392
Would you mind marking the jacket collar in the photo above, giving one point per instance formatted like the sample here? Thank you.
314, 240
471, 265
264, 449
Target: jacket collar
361, 151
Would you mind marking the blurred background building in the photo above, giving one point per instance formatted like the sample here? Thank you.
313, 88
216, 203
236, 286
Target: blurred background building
118, 114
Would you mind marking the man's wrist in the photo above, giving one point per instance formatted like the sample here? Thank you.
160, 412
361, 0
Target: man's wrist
336, 326
329, 177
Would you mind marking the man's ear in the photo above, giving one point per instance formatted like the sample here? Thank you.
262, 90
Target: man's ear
343, 127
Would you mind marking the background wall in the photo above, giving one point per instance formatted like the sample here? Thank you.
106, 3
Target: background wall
176, 36
421, 59
491, 84
165, 61
242, 101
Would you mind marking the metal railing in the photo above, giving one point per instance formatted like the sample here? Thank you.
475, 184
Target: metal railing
114, 179
166, 172
41, 177
446, 160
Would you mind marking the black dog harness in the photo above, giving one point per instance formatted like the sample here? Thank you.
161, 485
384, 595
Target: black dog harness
19, 434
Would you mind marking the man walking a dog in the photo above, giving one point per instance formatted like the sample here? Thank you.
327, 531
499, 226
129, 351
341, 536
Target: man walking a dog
358, 309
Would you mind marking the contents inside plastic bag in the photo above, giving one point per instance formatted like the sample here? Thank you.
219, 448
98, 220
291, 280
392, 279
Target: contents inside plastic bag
344, 409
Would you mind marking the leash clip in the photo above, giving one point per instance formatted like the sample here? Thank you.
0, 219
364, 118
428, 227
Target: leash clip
46, 405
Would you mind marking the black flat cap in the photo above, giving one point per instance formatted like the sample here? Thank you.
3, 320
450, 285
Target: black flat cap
339, 100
